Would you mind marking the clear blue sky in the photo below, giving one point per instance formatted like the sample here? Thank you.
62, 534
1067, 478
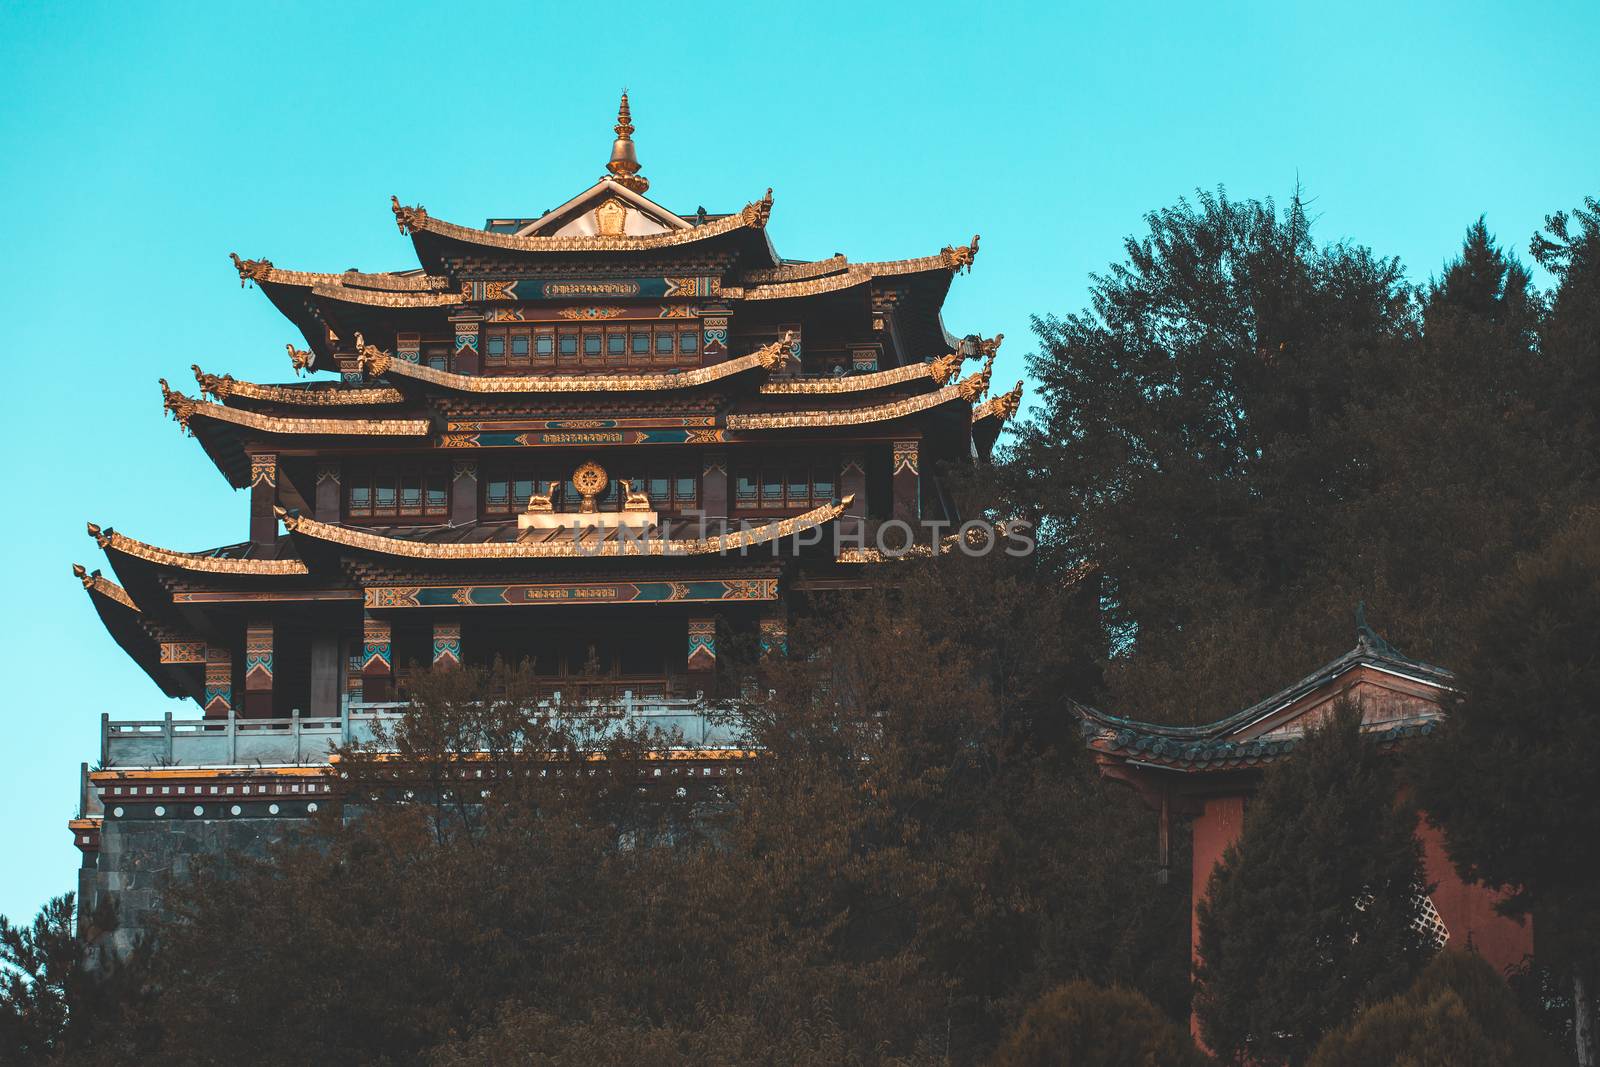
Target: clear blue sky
139, 144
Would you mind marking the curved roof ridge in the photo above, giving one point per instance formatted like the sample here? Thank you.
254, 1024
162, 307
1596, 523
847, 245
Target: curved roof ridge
184, 408
968, 389
622, 546
112, 541
262, 270
325, 394
96, 584
375, 362
415, 220
939, 370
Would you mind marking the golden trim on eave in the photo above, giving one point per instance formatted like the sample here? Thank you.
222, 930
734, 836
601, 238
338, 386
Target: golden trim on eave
940, 371
112, 541
184, 408
645, 545
1002, 407
950, 258
968, 389
94, 582
414, 220
794, 272
227, 385
375, 362
262, 270
388, 300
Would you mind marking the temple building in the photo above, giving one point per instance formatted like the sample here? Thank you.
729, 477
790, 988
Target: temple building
1207, 774
610, 440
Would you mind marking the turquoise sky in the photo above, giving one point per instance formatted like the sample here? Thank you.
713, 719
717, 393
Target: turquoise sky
140, 143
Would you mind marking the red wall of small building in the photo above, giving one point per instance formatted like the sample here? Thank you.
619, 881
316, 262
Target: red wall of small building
1466, 907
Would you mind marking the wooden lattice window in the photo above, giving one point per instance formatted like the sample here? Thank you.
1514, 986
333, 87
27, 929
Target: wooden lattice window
396, 492
778, 483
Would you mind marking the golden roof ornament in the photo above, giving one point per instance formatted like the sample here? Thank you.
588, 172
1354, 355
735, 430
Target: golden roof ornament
961, 257
1007, 404
756, 214
624, 165
590, 479
211, 384
175, 402
944, 368
991, 346
408, 219
300, 358
250, 270
370, 360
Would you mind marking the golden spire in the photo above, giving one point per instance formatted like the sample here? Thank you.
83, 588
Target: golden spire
624, 165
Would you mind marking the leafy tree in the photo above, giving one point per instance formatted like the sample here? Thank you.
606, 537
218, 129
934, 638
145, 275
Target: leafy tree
1247, 432
1510, 778
1082, 1024
922, 850
1458, 1013
1311, 913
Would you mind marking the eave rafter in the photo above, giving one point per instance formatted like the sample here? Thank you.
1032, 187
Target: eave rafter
969, 389
225, 386
416, 220
186, 408
644, 544
111, 541
376, 363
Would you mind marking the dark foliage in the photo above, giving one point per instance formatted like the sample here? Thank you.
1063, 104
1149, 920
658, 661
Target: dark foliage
1458, 1013
1083, 1025
1310, 914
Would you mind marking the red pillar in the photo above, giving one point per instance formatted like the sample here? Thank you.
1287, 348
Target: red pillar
446, 644
907, 482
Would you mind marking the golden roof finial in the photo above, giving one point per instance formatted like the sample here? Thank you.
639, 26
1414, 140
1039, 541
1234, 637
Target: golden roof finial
624, 165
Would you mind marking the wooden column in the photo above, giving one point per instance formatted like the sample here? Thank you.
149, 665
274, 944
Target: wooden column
907, 482
408, 346
326, 500
714, 344
464, 492
258, 669
702, 646
324, 675
464, 360
263, 498
446, 644
775, 631
377, 660
714, 488
853, 482
218, 694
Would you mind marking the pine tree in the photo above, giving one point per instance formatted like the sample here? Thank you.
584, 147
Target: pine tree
1511, 776
1310, 914
1083, 1025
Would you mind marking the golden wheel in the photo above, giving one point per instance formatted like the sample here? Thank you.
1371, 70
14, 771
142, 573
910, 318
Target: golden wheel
591, 480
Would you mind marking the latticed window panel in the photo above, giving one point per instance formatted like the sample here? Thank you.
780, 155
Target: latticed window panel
1429, 924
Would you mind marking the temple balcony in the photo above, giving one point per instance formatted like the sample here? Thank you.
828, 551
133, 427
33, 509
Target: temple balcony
306, 740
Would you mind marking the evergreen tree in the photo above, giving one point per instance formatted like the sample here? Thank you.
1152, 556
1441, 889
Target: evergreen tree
1247, 432
1511, 776
1311, 913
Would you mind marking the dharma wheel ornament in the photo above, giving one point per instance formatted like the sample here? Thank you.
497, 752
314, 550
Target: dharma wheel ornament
591, 480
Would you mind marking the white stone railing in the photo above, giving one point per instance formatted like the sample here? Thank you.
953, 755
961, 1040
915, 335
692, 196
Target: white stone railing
306, 740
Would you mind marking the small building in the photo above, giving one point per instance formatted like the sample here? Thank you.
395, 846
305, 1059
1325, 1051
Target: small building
605, 439
1208, 773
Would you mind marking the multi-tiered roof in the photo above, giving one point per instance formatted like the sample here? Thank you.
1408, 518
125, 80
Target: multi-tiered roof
609, 333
